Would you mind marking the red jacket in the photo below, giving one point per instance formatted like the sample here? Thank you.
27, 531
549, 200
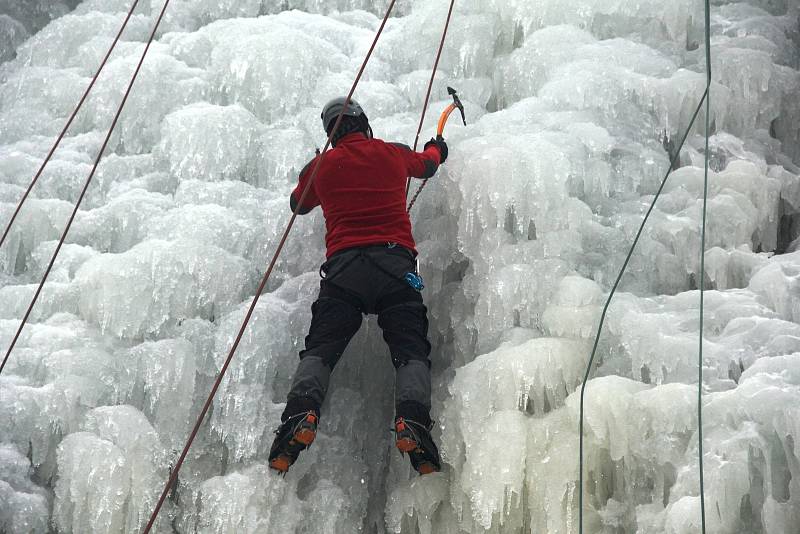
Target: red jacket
361, 186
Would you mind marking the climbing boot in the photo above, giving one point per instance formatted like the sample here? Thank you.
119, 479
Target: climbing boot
293, 436
415, 439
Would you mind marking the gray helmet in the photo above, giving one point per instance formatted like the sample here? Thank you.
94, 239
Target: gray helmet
332, 109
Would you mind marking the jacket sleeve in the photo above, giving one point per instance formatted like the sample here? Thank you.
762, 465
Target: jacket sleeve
312, 200
419, 164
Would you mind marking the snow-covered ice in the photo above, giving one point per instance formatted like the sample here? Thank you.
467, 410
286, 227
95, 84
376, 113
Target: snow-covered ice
575, 109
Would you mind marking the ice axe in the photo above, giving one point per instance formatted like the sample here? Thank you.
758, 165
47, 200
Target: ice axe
446, 113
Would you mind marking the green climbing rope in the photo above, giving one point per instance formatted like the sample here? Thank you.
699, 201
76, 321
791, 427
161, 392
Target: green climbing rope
706, 99
702, 276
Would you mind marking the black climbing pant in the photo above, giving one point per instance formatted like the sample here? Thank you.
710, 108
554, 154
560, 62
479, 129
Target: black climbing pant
366, 280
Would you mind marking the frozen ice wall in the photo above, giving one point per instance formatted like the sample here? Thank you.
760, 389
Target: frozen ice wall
21, 18
575, 109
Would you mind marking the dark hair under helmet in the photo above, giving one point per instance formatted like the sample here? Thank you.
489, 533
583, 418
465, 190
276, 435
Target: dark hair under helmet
332, 109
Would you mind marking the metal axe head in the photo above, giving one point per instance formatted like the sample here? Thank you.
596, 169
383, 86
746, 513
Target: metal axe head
452, 92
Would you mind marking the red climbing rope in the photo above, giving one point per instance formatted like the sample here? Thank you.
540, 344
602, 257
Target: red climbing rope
66, 126
428, 96
176, 468
85, 187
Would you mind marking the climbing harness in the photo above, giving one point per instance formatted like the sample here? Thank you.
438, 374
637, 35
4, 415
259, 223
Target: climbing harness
67, 125
176, 468
705, 99
86, 184
412, 278
439, 131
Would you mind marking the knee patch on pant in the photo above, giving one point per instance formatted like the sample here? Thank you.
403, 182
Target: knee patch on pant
310, 382
413, 384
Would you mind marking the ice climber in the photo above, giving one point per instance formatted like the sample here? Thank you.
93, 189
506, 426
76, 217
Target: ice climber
370, 268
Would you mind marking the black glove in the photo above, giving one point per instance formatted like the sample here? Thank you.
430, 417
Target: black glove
441, 145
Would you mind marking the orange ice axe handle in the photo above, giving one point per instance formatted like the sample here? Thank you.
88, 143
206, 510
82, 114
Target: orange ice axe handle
446, 113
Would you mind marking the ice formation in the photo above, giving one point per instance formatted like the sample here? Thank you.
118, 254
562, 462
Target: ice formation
575, 109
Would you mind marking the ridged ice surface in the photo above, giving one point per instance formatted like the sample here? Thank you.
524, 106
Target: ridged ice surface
575, 109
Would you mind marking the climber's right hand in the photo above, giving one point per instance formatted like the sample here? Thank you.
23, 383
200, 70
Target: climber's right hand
439, 143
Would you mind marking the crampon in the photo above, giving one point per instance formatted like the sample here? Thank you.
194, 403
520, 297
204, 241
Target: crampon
415, 439
293, 436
